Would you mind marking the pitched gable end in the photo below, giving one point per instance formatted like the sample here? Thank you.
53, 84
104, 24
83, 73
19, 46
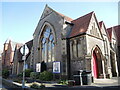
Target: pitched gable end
46, 12
104, 30
117, 32
109, 30
94, 28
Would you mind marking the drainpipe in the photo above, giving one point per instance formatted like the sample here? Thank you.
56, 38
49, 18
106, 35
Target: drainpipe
68, 59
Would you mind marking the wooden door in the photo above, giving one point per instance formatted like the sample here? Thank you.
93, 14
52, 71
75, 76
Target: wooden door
95, 65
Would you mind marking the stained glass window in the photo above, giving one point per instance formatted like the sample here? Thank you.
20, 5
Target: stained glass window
47, 45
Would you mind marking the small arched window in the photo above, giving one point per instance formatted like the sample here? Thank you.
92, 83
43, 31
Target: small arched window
47, 45
74, 49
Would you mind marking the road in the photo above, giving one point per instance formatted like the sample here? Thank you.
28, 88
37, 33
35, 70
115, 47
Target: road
2, 87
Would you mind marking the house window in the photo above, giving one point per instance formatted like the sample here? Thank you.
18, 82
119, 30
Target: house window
47, 44
74, 49
79, 49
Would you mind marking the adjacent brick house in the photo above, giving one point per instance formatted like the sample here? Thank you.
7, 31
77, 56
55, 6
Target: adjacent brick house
0, 60
115, 46
17, 57
17, 60
7, 55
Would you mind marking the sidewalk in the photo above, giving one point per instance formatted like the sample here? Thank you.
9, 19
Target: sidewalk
97, 83
106, 82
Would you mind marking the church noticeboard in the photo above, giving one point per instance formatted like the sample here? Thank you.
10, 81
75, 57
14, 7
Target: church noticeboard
38, 67
56, 67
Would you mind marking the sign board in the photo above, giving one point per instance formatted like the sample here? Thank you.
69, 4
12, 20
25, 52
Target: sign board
56, 67
38, 67
26, 50
23, 57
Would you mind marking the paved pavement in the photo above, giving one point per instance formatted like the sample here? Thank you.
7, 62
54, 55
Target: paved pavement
2, 87
98, 83
106, 82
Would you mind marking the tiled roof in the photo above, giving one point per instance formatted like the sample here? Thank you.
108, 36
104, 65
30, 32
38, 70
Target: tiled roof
13, 44
109, 30
101, 23
19, 55
29, 44
80, 25
66, 17
117, 32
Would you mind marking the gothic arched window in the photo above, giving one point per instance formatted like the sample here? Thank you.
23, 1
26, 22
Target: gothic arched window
47, 45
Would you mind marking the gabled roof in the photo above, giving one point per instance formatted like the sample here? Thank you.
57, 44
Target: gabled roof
13, 44
63, 16
29, 44
117, 32
109, 30
66, 17
81, 25
18, 45
101, 23
19, 55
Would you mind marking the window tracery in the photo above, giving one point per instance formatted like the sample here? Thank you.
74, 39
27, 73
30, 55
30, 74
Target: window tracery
47, 45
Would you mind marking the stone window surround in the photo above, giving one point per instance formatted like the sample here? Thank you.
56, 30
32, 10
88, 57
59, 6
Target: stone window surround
47, 45
41, 34
75, 42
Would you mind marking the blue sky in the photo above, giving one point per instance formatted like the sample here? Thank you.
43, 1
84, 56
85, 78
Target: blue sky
19, 19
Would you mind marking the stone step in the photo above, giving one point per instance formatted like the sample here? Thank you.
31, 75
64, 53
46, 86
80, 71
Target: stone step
112, 80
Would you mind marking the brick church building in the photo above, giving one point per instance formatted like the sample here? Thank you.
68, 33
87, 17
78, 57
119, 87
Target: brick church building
80, 44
